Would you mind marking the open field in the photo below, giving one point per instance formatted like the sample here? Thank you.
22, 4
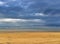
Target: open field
17, 37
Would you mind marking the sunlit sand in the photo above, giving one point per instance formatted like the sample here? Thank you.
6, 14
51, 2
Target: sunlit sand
18, 37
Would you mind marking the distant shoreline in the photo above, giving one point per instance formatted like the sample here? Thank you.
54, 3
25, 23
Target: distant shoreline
31, 30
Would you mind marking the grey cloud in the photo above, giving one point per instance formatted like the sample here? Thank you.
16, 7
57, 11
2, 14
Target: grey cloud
26, 9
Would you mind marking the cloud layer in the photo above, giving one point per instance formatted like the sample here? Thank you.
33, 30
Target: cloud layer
30, 13
20, 20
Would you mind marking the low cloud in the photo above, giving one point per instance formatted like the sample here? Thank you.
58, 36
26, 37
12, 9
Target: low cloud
21, 23
2, 3
8, 20
40, 14
19, 20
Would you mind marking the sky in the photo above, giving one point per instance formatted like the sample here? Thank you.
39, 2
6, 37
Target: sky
30, 13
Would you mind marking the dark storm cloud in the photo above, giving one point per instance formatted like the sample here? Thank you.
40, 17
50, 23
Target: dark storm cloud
47, 10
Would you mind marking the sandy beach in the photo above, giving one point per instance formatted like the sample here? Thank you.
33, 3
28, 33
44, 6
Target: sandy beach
18, 37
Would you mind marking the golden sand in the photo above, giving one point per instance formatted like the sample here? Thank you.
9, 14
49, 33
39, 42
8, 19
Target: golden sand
29, 37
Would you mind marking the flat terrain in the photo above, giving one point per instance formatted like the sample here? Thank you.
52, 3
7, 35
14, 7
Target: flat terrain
17, 37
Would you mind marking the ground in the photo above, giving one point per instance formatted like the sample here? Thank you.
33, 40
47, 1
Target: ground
18, 37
